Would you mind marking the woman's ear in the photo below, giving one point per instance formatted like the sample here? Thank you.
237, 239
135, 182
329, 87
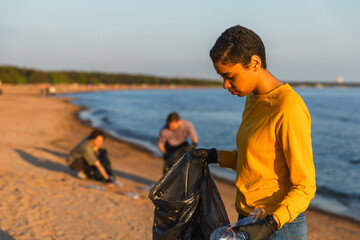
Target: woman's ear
255, 63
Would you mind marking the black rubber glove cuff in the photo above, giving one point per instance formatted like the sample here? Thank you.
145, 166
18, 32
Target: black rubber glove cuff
212, 156
273, 225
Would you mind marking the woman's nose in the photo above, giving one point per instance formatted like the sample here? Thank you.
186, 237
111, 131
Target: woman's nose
226, 84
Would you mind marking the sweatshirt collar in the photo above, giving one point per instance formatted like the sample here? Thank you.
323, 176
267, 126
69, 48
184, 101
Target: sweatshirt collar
272, 93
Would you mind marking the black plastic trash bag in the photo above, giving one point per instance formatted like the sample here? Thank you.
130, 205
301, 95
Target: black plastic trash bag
187, 202
174, 156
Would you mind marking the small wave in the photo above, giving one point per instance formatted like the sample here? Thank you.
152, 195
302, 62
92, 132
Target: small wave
93, 118
355, 162
325, 191
144, 144
106, 119
99, 112
344, 119
334, 205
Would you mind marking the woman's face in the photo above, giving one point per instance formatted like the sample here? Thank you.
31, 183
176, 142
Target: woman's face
237, 79
98, 141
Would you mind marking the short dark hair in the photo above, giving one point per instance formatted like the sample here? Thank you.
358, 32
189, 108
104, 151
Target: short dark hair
237, 45
174, 116
95, 133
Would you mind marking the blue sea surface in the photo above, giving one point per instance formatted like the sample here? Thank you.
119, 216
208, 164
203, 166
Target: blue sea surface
138, 115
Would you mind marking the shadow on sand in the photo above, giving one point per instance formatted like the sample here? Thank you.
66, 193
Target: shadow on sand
43, 163
5, 236
57, 167
55, 153
133, 178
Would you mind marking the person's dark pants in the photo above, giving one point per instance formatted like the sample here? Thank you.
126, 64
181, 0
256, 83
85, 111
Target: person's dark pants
91, 171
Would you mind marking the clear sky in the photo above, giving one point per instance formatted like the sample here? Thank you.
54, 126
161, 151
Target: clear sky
315, 40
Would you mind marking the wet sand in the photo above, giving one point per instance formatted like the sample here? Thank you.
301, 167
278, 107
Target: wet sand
40, 198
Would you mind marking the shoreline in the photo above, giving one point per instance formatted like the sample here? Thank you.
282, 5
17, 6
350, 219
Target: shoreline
41, 199
108, 135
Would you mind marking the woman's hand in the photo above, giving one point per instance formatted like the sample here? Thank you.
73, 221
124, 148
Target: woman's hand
261, 230
210, 155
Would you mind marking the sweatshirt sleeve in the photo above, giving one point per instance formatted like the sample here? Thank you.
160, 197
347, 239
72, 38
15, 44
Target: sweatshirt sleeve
229, 159
294, 135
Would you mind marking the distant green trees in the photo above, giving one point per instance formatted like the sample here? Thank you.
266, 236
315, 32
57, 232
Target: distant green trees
15, 75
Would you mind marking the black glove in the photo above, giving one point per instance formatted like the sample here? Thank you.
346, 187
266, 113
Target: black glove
210, 155
261, 230
109, 180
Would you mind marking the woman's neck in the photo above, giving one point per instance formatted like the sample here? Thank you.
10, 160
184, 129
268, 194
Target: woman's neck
266, 83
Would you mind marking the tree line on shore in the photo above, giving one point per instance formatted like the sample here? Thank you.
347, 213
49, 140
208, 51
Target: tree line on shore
16, 75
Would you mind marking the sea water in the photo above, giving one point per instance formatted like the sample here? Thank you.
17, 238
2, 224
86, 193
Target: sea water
138, 115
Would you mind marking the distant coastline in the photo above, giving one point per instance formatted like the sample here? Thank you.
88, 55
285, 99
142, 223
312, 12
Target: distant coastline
323, 84
73, 81
82, 88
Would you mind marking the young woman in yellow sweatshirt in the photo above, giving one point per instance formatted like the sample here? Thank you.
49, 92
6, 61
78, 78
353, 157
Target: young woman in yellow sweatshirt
273, 159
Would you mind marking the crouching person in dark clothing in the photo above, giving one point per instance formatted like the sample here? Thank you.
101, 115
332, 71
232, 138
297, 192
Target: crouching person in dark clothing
91, 161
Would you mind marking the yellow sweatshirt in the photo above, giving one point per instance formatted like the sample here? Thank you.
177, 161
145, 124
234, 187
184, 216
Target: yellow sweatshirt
273, 160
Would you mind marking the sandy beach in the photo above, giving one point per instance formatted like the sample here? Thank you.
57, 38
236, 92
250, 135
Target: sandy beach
40, 198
